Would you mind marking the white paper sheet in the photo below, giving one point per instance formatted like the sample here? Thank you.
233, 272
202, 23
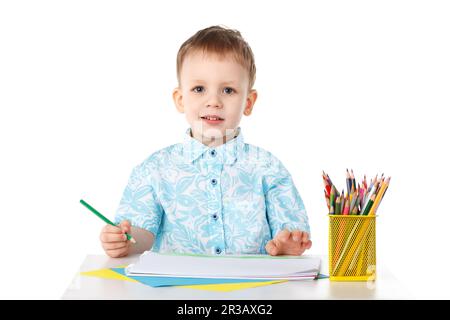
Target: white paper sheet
248, 267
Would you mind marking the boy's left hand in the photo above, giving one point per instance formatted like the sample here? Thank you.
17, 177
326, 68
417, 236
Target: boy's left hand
289, 243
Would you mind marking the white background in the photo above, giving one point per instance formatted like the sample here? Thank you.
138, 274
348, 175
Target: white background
85, 95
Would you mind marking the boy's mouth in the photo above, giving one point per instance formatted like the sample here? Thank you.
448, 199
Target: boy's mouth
212, 119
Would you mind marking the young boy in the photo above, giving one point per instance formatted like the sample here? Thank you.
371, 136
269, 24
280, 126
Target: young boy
213, 193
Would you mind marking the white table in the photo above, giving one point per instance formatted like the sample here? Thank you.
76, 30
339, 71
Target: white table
83, 287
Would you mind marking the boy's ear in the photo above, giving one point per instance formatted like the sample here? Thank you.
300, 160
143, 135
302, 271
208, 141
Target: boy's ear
178, 99
250, 102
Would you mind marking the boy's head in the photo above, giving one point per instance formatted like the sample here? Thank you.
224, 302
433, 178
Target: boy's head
216, 72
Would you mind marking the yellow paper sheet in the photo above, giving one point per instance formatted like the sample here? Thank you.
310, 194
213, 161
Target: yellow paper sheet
222, 287
107, 274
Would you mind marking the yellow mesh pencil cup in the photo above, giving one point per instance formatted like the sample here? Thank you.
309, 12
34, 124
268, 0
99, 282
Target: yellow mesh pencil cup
352, 247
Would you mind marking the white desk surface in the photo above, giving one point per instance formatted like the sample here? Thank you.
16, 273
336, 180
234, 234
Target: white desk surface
83, 287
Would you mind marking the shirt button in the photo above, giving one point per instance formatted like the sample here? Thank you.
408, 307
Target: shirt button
213, 182
213, 153
218, 251
214, 216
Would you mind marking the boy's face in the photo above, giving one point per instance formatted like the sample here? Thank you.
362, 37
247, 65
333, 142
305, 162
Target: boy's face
214, 95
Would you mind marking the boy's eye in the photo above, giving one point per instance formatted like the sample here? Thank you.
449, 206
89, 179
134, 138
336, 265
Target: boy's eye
228, 90
198, 89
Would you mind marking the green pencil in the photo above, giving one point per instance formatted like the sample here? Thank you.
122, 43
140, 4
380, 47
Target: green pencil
369, 205
98, 214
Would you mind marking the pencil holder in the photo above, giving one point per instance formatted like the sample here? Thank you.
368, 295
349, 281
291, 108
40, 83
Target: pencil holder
351, 247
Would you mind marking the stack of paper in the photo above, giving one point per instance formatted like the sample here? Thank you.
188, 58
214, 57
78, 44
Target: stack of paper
234, 267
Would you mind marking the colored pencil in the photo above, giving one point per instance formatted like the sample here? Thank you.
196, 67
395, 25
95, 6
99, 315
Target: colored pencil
379, 197
369, 205
106, 220
348, 180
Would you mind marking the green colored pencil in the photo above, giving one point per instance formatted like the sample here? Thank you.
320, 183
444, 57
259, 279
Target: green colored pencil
98, 214
369, 205
332, 199
338, 205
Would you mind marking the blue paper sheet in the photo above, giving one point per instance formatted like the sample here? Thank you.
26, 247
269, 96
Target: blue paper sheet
176, 281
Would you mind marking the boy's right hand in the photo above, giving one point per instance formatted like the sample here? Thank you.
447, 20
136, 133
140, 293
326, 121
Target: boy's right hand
114, 240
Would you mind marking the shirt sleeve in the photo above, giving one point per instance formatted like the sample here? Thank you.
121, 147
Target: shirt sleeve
284, 206
139, 203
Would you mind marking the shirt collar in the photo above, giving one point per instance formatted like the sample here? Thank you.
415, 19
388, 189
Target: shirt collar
227, 153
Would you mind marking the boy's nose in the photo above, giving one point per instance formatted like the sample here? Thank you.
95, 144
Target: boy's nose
214, 101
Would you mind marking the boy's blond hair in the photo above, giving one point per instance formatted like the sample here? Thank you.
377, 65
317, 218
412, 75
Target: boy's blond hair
221, 41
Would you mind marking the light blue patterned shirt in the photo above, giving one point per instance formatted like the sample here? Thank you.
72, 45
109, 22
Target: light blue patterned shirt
230, 199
